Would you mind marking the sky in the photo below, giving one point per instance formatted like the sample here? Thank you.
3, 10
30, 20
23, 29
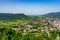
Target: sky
29, 7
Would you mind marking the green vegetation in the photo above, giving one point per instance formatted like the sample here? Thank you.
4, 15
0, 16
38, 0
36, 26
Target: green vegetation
10, 16
9, 34
53, 15
13, 22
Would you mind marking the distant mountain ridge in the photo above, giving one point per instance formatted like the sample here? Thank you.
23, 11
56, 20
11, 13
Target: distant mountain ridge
53, 14
12, 16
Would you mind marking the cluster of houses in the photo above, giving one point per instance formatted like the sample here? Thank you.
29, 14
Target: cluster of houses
56, 24
24, 27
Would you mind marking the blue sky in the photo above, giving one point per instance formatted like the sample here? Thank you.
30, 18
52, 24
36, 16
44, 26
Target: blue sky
29, 7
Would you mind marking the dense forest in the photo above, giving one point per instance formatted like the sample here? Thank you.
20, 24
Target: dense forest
53, 15
12, 16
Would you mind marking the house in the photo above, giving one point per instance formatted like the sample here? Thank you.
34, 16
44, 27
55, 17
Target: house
56, 24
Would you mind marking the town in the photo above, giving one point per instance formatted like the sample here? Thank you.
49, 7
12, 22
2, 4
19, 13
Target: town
36, 26
45, 24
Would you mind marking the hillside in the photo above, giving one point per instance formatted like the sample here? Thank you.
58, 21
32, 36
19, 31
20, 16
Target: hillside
11, 16
53, 14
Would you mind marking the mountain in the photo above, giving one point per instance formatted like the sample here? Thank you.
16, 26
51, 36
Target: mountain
53, 14
12, 16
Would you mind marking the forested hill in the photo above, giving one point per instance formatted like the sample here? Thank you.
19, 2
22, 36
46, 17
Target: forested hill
12, 16
53, 14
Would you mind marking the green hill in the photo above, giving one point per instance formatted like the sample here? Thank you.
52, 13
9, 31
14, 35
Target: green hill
12, 16
53, 14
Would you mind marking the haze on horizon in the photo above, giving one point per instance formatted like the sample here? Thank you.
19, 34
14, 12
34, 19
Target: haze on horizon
29, 7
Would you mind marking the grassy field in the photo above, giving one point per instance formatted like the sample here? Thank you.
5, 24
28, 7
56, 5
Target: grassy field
13, 22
